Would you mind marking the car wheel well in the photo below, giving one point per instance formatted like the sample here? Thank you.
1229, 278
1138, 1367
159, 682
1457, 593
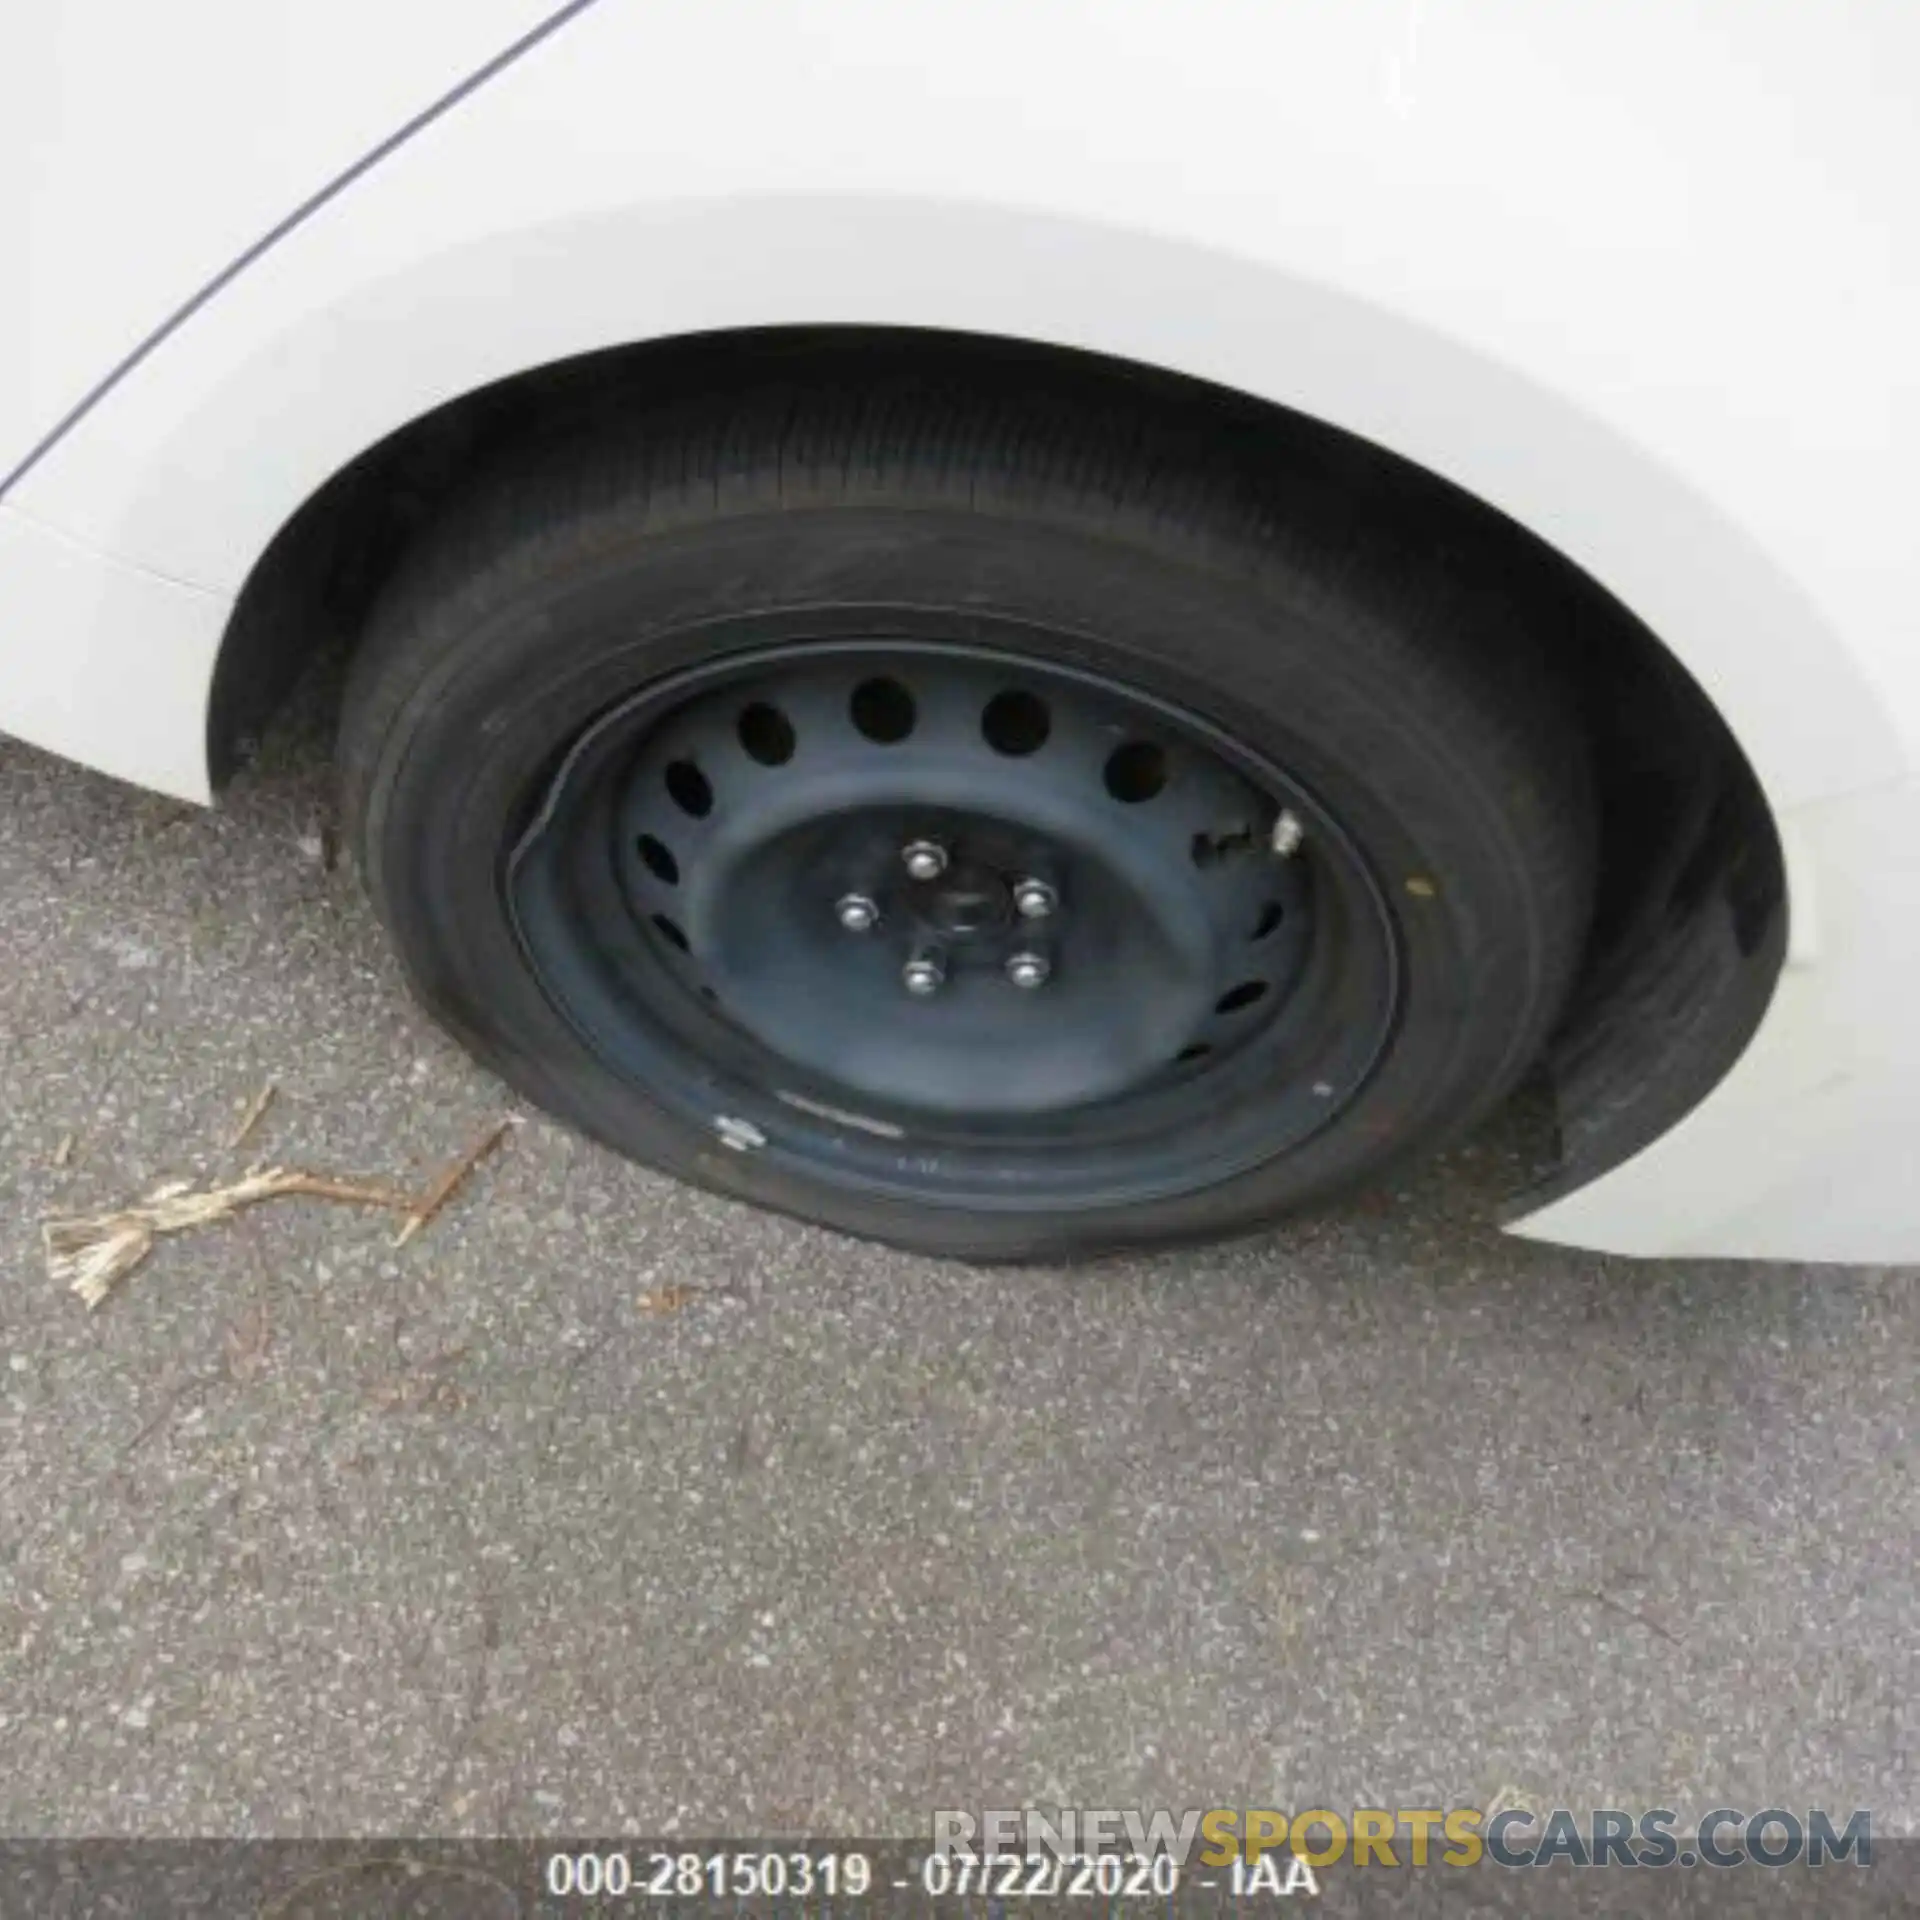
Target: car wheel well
1690, 922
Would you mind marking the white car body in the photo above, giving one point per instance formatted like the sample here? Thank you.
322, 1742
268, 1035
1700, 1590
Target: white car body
1642, 277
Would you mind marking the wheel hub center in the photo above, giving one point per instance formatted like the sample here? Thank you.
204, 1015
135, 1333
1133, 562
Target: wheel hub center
967, 900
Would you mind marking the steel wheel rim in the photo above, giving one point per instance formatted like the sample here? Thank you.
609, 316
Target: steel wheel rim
1219, 970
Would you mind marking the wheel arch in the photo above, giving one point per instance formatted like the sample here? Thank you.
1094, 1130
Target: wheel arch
1692, 920
348, 337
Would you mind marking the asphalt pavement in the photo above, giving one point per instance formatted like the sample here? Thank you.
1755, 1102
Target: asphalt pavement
609, 1505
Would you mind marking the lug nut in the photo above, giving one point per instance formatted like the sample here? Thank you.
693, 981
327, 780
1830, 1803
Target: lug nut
925, 859
925, 973
1028, 970
1034, 899
1288, 833
857, 913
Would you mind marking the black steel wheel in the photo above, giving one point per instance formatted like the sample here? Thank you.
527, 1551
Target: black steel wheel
1072, 944
958, 872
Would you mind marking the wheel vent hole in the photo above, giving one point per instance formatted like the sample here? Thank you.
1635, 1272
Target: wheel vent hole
1016, 723
766, 733
1198, 1051
670, 930
1221, 843
659, 859
1136, 771
1244, 995
882, 710
1270, 917
689, 789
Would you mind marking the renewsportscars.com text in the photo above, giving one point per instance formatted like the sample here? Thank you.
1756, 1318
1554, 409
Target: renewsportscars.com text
1419, 1836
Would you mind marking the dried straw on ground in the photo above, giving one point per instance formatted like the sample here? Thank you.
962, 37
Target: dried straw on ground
93, 1253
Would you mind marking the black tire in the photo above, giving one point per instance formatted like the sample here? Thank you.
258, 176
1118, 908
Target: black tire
1306, 607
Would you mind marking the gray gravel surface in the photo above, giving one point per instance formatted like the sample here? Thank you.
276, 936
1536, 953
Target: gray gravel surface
301, 1534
